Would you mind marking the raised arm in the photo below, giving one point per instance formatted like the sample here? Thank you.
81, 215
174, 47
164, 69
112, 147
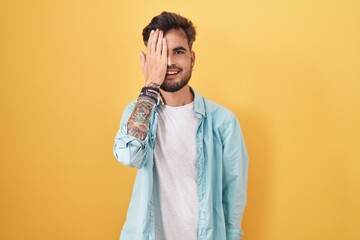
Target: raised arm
154, 66
129, 146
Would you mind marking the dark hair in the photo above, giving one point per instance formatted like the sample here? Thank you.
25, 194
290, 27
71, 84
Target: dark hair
167, 21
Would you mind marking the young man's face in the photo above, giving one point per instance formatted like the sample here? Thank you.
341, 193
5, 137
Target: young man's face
180, 61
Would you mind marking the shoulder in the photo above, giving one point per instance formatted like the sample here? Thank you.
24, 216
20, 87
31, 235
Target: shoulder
218, 112
223, 121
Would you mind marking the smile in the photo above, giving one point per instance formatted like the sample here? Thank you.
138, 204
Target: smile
172, 72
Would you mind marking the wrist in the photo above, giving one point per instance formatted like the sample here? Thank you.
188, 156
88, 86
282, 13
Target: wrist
153, 84
150, 91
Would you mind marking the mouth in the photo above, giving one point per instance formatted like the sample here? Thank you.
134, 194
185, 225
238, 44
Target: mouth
172, 72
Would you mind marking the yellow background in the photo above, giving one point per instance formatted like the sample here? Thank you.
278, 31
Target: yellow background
289, 70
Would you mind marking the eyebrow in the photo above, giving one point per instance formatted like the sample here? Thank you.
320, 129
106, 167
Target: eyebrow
179, 48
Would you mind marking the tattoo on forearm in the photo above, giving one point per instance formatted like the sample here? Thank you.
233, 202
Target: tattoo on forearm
138, 123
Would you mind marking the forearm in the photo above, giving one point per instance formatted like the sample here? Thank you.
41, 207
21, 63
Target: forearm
129, 150
138, 123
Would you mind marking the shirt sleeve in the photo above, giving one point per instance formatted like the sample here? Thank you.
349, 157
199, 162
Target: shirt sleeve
129, 150
235, 172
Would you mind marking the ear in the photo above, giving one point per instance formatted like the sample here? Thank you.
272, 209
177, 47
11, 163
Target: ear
192, 59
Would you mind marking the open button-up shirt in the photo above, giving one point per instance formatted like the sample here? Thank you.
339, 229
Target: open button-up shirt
222, 168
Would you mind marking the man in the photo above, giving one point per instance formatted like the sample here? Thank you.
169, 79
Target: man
190, 154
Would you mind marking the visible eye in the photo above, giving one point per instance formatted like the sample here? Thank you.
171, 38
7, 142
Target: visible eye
178, 52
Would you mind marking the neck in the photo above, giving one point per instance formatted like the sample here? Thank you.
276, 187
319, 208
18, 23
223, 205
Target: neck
179, 98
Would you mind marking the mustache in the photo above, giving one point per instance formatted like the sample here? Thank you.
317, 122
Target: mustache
174, 67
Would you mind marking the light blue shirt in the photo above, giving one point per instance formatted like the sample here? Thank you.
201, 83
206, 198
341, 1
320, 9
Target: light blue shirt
222, 169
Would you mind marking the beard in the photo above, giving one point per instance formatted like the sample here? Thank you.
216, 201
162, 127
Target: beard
173, 85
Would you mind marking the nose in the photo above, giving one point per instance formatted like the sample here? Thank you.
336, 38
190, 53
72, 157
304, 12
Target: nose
170, 60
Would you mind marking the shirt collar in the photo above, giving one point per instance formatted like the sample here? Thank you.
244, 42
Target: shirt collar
199, 106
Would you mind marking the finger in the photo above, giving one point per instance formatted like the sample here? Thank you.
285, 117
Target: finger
149, 41
164, 49
153, 41
159, 42
142, 60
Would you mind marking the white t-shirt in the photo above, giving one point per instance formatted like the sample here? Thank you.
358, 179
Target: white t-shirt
175, 187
